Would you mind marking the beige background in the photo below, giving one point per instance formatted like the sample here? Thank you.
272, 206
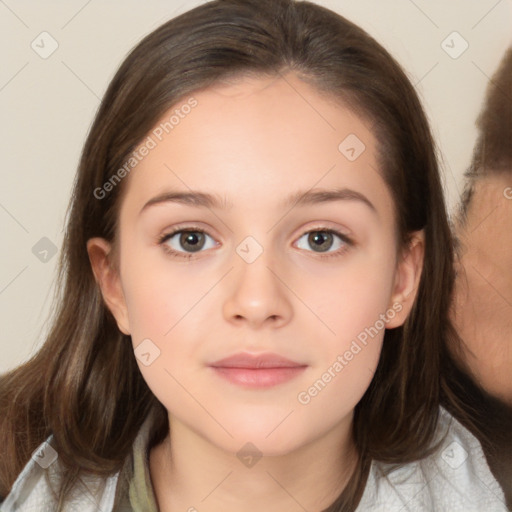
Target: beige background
48, 104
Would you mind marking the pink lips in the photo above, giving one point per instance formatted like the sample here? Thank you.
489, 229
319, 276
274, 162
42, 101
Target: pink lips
257, 371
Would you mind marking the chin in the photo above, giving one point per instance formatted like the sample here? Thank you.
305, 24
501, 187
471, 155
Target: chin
247, 444
271, 437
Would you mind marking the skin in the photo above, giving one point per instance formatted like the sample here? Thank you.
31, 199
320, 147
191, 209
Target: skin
254, 142
482, 310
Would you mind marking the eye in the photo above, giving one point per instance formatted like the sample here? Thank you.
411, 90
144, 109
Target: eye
185, 242
324, 239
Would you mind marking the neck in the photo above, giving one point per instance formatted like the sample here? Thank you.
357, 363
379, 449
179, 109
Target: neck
189, 473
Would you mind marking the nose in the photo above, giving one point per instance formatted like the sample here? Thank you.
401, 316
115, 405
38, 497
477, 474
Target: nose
257, 295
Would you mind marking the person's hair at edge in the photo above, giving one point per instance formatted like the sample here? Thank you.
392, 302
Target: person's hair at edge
492, 153
492, 156
84, 385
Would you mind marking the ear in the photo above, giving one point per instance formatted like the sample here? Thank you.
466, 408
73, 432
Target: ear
407, 279
108, 279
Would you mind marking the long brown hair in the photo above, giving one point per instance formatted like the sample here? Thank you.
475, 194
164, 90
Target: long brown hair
84, 385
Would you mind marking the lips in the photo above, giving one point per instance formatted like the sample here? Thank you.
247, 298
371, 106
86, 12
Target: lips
257, 371
244, 360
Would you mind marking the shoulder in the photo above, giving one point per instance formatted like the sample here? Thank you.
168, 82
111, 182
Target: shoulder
33, 490
455, 477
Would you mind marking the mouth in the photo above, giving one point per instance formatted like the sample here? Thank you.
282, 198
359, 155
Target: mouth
257, 371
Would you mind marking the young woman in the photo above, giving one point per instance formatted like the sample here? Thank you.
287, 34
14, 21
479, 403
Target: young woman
255, 285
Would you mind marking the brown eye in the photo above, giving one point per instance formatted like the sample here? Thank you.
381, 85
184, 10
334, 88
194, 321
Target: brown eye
186, 242
192, 240
322, 240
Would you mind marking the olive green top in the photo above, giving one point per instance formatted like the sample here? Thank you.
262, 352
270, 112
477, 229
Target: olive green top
134, 492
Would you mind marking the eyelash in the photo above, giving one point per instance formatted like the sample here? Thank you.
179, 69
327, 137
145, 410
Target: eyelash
194, 229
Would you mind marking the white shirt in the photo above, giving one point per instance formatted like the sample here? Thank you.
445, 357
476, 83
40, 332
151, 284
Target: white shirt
455, 478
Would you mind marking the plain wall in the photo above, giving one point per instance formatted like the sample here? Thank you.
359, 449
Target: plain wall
48, 104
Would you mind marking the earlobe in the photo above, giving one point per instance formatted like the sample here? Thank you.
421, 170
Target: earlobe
407, 279
108, 279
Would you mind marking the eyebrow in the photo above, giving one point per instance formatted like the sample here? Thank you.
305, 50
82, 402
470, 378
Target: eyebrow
300, 198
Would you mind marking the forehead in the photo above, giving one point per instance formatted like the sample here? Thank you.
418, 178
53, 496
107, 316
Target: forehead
257, 140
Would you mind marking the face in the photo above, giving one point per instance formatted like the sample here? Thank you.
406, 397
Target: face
271, 263
483, 297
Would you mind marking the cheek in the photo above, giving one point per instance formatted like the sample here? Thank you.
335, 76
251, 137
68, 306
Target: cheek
335, 312
164, 308
355, 307
351, 299
160, 303
158, 293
